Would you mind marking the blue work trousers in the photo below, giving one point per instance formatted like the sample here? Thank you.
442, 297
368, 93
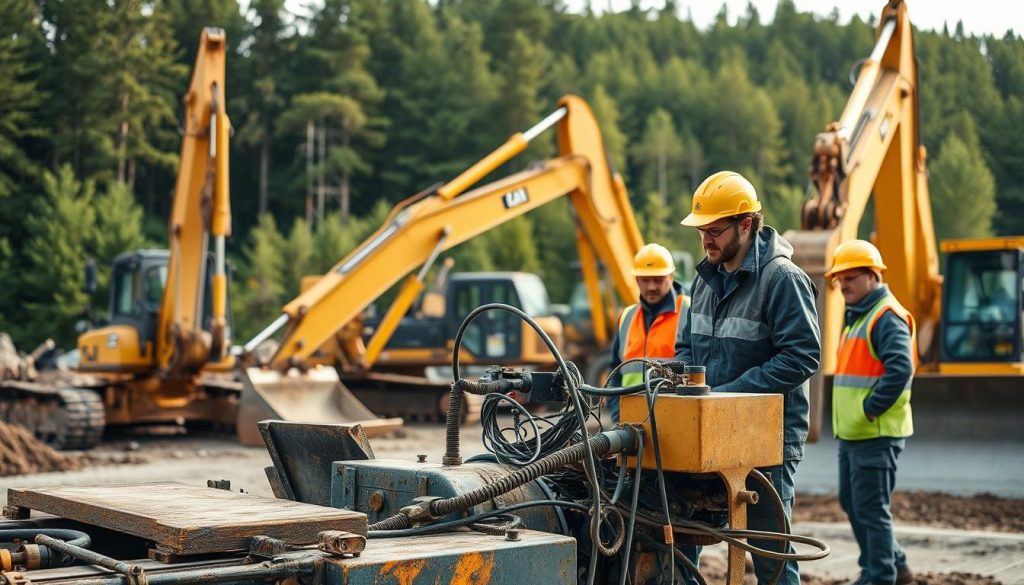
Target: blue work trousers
867, 476
763, 516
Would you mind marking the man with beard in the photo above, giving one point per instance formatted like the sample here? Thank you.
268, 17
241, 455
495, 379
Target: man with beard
753, 324
650, 328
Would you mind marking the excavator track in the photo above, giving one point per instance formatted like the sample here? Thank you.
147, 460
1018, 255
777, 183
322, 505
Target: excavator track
64, 418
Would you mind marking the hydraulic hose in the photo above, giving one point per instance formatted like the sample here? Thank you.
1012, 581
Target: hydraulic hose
780, 510
47, 557
600, 445
456, 398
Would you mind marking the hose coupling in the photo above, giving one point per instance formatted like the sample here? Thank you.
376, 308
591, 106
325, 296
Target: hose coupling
419, 512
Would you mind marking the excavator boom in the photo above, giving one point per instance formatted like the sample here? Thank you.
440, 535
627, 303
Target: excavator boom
874, 154
427, 224
423, 226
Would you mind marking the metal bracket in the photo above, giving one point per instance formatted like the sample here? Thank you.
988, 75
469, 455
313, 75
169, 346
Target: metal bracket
341, 543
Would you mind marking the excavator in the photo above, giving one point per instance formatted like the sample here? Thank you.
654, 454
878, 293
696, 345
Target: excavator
163, 354
971, 370
327, 317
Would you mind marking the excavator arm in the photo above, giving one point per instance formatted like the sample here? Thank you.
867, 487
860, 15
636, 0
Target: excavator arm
427, 224
201, 209
873, 153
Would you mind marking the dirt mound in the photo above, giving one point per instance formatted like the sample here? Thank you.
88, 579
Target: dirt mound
714, 567
984, 512
21, 453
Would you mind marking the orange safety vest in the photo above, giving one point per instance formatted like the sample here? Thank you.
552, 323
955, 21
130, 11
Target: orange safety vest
858, 369
658, 342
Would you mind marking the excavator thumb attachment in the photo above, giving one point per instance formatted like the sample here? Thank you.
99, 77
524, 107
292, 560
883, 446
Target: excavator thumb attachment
316, 396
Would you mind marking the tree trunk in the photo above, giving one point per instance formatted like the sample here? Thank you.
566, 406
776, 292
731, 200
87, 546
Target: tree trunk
321, 187
310, 134
662, 177
344, 186
264, 171
122, 142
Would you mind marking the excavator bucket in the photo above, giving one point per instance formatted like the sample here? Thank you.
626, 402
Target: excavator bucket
316, 396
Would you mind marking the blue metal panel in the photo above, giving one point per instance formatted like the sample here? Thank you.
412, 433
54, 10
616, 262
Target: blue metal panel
460, 558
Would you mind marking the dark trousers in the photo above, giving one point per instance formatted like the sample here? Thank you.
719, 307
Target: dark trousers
764, 517
867, 476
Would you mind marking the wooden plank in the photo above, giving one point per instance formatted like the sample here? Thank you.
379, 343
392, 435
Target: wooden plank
186, 519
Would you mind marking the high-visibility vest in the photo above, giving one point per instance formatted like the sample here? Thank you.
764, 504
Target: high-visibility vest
859, 369
658, 342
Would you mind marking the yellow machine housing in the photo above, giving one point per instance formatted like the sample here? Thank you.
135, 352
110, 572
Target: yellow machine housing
725, 433
711, 433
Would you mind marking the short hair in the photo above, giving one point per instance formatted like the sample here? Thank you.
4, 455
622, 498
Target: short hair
756, 220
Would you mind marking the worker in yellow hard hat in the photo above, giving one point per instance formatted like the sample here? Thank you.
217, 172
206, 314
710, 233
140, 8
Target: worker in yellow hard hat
649, 328
871, 415
753, 325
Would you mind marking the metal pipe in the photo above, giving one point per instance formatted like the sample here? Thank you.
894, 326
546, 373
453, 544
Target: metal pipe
267, 572
266, 333
516, 144
401, 219
546, 123
883, 40
88, 556
866, 81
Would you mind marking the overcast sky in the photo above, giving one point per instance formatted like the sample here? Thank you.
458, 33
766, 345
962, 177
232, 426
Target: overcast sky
979, 16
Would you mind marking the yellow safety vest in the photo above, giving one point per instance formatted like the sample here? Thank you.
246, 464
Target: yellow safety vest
859, 369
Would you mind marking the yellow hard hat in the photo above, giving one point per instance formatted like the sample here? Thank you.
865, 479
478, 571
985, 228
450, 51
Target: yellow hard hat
856, 254
723, 194
653, 260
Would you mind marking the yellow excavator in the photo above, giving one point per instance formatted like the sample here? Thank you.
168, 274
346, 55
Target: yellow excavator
427, 224
969, 324
163, 354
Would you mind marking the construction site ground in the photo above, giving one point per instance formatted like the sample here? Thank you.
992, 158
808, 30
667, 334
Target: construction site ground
959, 507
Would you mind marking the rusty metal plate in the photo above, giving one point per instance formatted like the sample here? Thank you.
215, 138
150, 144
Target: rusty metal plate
184, 519
463, 558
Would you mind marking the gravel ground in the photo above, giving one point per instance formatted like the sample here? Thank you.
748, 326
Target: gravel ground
983, 512
169, 454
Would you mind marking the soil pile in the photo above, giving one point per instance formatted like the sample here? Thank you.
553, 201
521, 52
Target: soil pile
21, 453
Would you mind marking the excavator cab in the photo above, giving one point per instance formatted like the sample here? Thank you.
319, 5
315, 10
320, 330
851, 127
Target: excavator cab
127, 339
495, 337
981, 313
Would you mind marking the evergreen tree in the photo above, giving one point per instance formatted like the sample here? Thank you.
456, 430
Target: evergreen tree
959, 173
18, 96
118, 229
660, 150
62, 228
607, 113
261, 102
262, 294
512, 245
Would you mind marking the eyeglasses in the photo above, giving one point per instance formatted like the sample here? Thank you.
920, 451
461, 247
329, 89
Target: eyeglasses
715, 232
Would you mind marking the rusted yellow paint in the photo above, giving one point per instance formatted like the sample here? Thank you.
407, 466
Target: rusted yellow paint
404, 572
473, 569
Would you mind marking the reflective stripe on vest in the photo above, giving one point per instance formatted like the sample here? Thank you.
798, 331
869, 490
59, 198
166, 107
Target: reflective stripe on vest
858, 369
659, 342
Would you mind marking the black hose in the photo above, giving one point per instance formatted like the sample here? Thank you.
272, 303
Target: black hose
599, 445
632, 512
48, 557
456, 398
651, 397
442, 526
783, 520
